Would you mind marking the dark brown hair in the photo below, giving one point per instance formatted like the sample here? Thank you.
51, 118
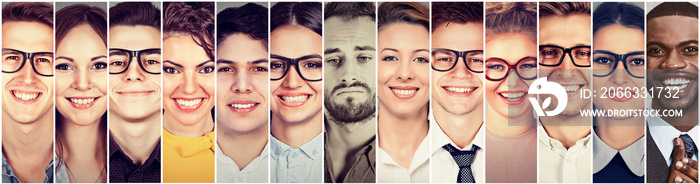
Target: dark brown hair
29, 12
562, 9
195, 19
405, 12
457, 12
77, 14
134, 14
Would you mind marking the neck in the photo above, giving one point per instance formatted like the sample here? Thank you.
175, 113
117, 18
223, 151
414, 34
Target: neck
296, 134
199, 129
136, 139
461, 132
619, 137
230, 142
400, 136
682, 123
508, 126
348, 137
83, 141
28, 143
566, 129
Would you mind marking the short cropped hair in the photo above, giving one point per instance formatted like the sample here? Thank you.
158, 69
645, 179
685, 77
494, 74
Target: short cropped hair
624, 14
28, 12
249, 19
511, 17
348, 11
71, 16
195, 19
307, 14
674, 8
562, 9
134, 14
457, 12
403, 12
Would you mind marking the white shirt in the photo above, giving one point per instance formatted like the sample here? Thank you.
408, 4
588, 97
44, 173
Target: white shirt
663, 134
634, 155
296, 165
443, 166
560, 165
255, 172
388, 171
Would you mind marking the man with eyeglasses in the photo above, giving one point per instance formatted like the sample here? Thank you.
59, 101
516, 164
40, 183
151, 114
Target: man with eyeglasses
27, 80
672, 54
350, 78
565, 51
134, 93
457, 86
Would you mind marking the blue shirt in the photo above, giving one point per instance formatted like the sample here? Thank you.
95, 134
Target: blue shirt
296, 165
9, 176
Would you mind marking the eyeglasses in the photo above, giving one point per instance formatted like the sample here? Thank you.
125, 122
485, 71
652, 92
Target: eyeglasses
498, 69
606, 62
552, 55
148, 59
13, 61
446, 59
310, 68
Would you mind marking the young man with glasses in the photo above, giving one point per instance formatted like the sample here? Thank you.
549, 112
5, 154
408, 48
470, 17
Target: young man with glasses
565, 51
134, 85
456, 118
27, 80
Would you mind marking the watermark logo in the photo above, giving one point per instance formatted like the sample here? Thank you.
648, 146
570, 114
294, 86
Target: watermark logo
542, 86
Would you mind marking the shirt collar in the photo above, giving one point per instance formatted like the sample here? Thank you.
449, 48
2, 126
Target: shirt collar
311, 149
188, 146
663, 134
439, 138
551, 143
154, 157
633, 155
7, 170
228, 161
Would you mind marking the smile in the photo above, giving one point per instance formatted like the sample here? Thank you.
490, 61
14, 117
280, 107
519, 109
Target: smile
404, 92
188, 104
26, 96
82, 102
243, 106
459, 90
293, 100
513, 97
676, 82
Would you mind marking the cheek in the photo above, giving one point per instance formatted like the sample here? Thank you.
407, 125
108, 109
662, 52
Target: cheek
317, 87
275, 85
387, 73
423, 74
100, 80
170, 83
260, 86
208, 84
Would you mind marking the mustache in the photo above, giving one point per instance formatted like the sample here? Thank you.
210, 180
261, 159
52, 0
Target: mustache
354, 84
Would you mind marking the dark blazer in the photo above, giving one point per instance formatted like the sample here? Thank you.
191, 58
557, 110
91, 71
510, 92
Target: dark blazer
657, 170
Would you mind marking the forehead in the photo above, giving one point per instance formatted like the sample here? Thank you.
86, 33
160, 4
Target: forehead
27, 36
608, 38
81, 39
356, 32
184, 50
672, 29
460, 37
510, 46
134, 37
294, 41
241, 48
566, 31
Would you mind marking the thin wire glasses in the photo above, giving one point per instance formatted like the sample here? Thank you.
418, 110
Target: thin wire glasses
497, 69
148, 59
606, 62
13, 61
446, 59
553, 55
309, 68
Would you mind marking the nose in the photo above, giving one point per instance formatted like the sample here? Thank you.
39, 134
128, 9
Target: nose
619, 75
27, 74
512, 79
242, 83
134, 72
82, 81
405, 71
293, 80
461, 71
190, 85
674, 61
348, 72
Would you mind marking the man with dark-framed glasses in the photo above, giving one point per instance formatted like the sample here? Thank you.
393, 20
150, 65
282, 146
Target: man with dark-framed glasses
565, 58
27, 80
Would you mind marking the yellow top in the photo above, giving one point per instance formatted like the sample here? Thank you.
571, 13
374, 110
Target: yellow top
188, 159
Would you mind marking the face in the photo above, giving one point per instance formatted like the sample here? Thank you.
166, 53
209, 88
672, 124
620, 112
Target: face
506, 96
134, 94
672, 52
296, 100
242, 80
81, 75
27, 96
567, 32
458, 91
607, 39
188, 80
404, 80
350, 69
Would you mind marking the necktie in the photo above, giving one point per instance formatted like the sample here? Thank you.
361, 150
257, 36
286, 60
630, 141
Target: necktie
690, 148
464, 160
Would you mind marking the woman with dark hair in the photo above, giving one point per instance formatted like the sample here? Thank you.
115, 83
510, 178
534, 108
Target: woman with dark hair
188, 92
618, 141
296, 64
81, 94
404, 91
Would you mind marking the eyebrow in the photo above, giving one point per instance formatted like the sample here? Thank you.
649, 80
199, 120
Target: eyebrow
366, 47
310, 55
331, 50
689, 42
420, 50
66, 58
203, 63
652, 43
118, 53
225, 61
172, 63
97, 57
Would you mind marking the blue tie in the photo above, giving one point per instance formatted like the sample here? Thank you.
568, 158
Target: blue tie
690, 148
464, 160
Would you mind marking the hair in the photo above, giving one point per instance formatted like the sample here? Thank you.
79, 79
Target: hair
307, 14
195, 19
511, 17
624, 14
563, 9
28, 12
348, 11
403, 12
134, 14
249, 19
457, 12
71, 16
673, 8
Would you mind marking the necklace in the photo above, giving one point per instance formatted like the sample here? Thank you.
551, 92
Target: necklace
76, 180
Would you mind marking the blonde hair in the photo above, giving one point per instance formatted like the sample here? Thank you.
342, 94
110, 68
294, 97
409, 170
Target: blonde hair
511, 17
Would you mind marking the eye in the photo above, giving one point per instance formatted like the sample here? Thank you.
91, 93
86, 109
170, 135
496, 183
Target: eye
691, 50
363, 59
12, 58
657, 52
171, 70
495, 67
64, 66
446, 59
333, 61
151, 62
206, 70
528, 66
259, 69
604, 61
549, 53
390, 58
312, 65
43, 60
226, 70
117, 63
421, 60
99, 66
476, 60
637, 62
277, 66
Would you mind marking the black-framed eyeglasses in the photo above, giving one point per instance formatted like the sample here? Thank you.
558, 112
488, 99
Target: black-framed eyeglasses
13, 61
497, 69
309, 68
553, 55
446, 59
148, 59
605, 63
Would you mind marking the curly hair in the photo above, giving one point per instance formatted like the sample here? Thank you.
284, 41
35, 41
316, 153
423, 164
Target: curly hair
457, 12
511, 17
195, 19
405, 12
249, 19
29, 12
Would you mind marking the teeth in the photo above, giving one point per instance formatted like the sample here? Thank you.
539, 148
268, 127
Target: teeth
512, 96
680, 83
82, 101
188, 102
571, 88
404, 91
25, 96
460, 90
300, 98
242, 106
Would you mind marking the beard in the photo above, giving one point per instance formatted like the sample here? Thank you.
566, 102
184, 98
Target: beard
350, 109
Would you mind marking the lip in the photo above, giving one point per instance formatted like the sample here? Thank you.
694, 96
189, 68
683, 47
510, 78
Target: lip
188, 100
349, 90
29, 101
404, 92
616, 98
242, 105
82, 106
293, 103
512, 102
574, 92
136, 93
465, 94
